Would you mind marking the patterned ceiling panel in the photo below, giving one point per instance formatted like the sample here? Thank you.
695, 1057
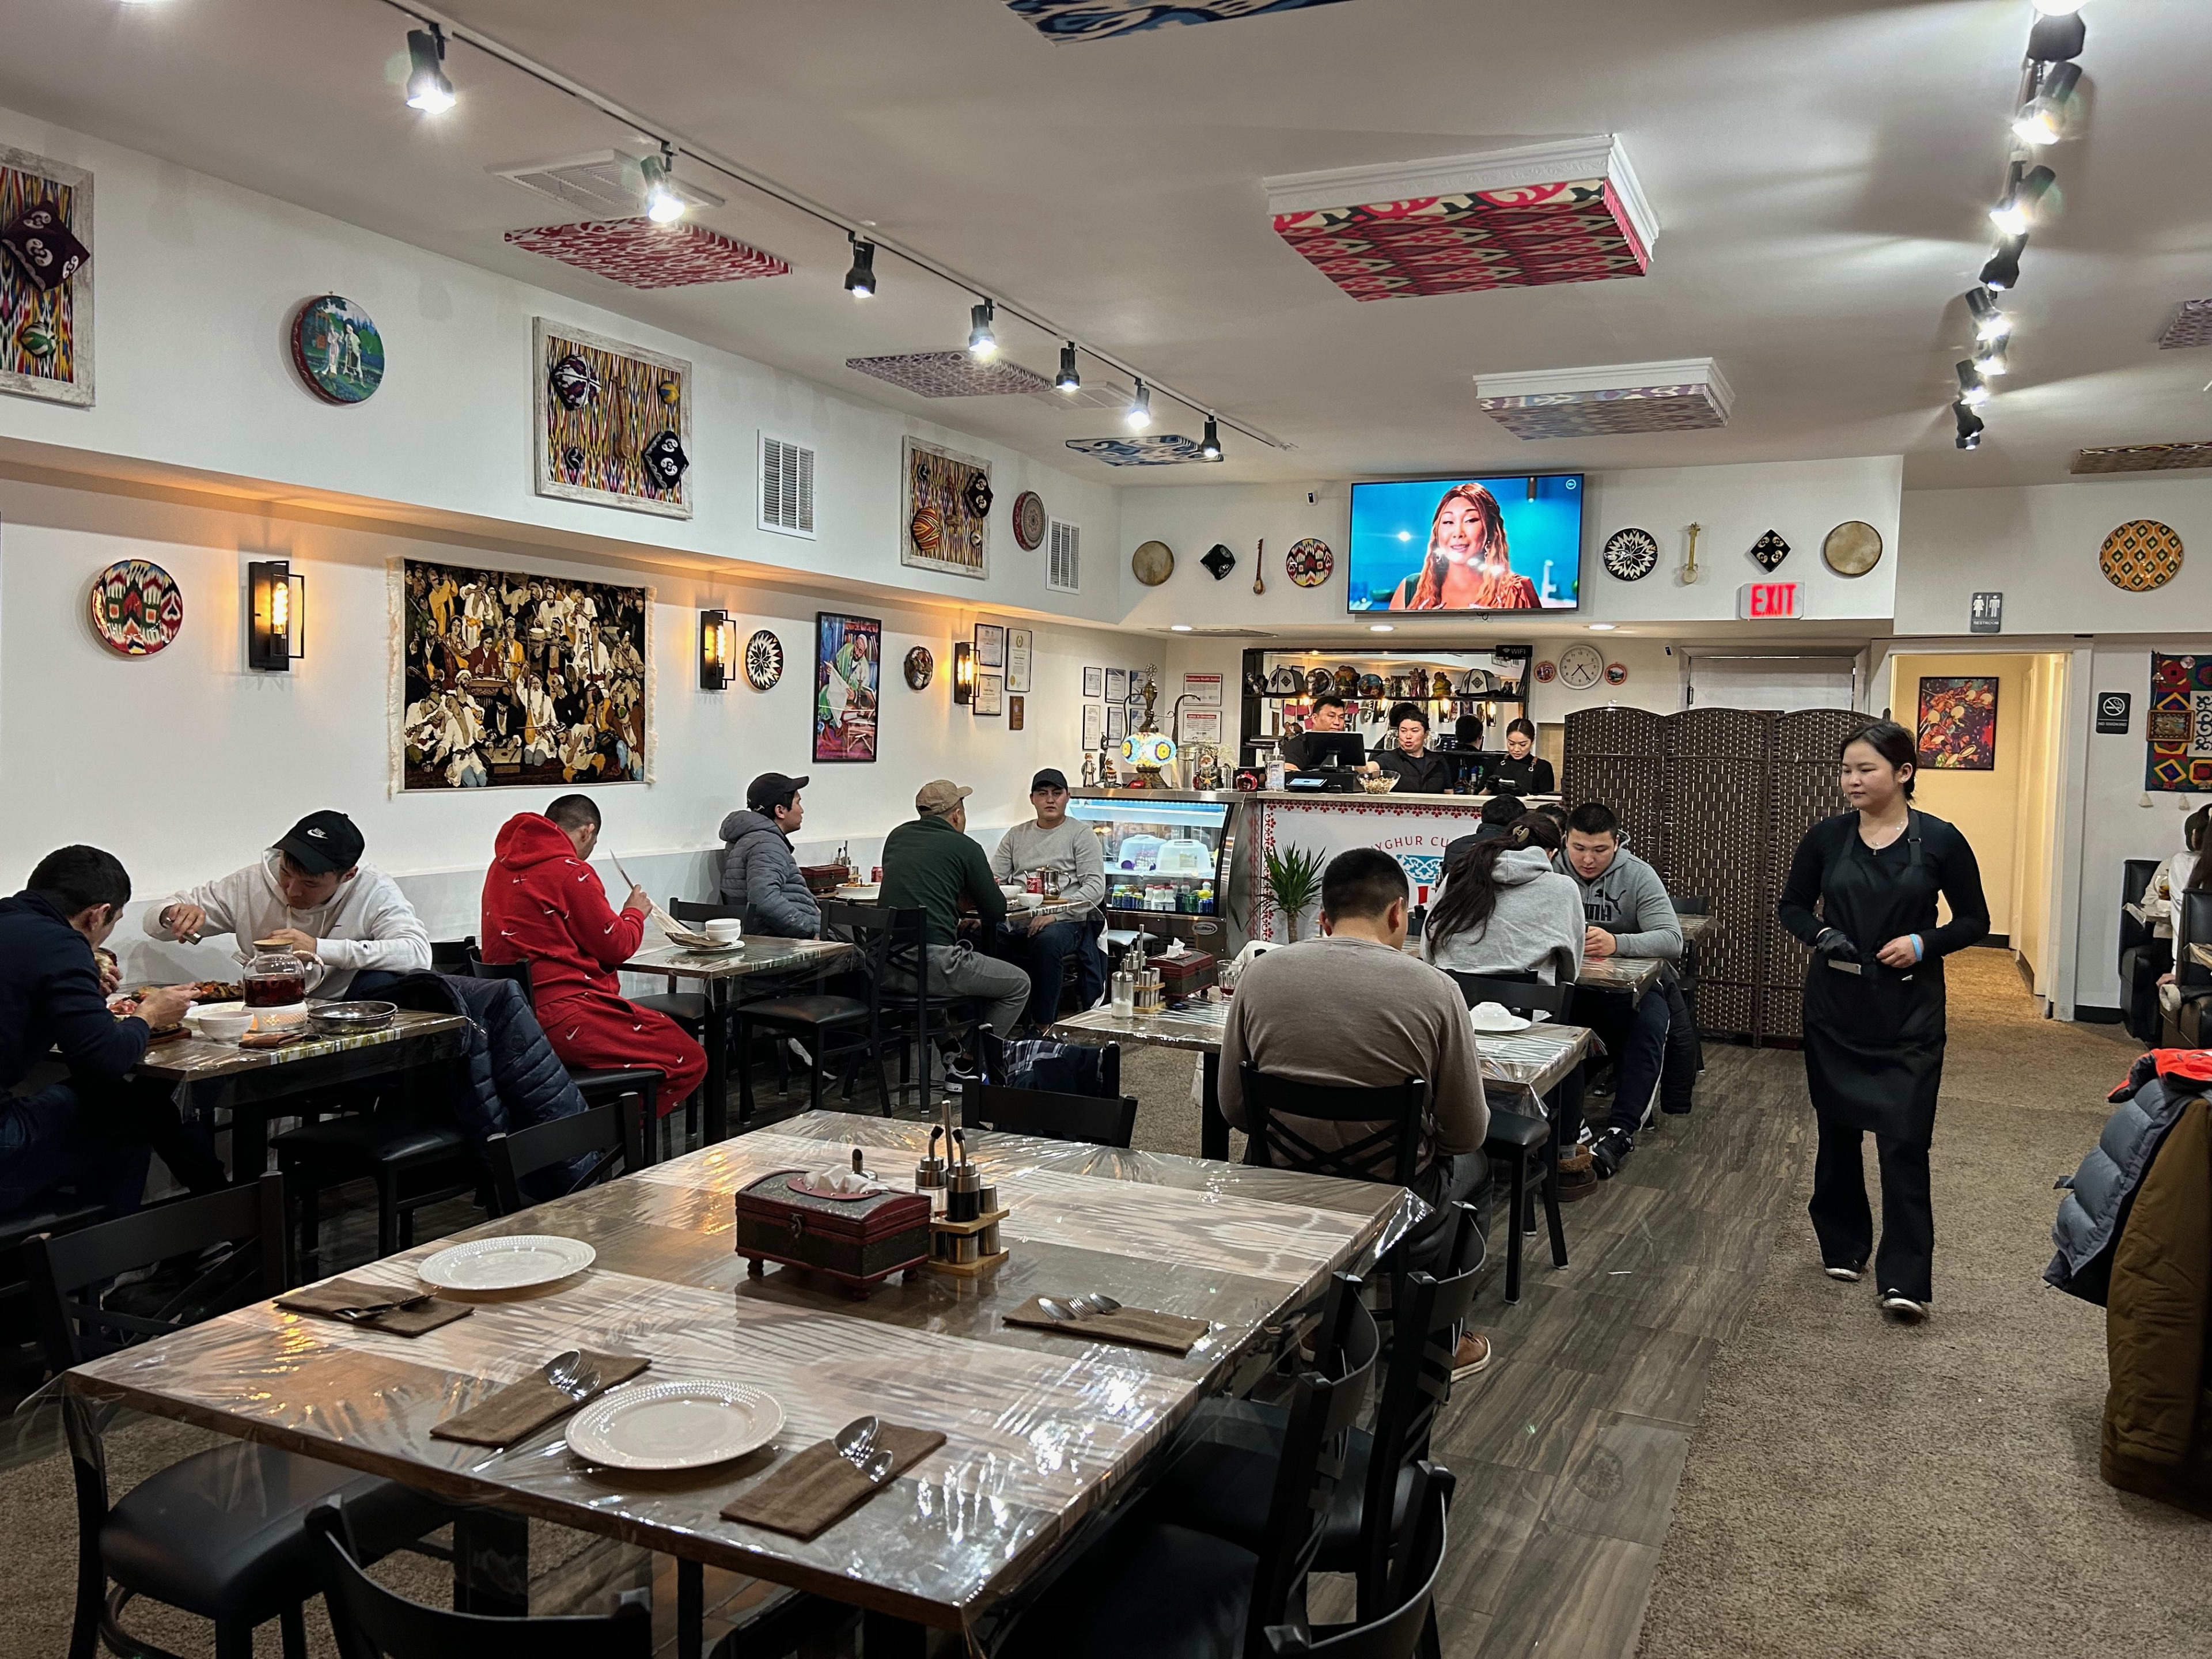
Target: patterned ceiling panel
2142, 458
2192, 326
952, 374
1064, 21
1611, 413
638, 253
1164, 450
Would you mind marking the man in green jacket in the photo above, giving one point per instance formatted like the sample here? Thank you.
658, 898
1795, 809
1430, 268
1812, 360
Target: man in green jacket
930, 865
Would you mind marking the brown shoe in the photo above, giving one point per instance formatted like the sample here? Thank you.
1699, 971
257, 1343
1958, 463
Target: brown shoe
1472, 1355
1576, 1184
1577, 1159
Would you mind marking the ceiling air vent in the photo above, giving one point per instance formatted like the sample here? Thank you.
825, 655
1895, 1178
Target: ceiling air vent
603, 183
1063, 575
787, 487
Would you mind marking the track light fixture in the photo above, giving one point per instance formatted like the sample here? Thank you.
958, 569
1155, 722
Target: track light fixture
662, 204
1068, 379
860, 280
1989, 357
2056, 39
982, 344
427, 89
1140, 408
2045, 118
2056, 8
1970, 426
1211, 447
1973, 389
2023, 203
2002, 271
1990, 322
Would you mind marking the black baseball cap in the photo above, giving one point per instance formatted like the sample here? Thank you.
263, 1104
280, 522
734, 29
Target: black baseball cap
322, 841
1050, 778
772, 789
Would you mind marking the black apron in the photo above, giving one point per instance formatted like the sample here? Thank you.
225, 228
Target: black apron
1874, 1039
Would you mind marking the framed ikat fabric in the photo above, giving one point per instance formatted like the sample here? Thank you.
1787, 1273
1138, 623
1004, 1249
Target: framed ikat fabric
613, 422
2180, 760
45, 279
947, 511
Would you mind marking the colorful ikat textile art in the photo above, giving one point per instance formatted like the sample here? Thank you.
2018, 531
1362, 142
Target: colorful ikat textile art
1096, 20
614, 422
638, 253
2180, 724
45, 279
1525, 236
951, 374
1164, 449
947, 506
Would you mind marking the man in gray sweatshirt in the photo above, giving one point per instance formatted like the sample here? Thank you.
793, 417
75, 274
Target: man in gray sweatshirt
760, 874
1628, 913
1068, 847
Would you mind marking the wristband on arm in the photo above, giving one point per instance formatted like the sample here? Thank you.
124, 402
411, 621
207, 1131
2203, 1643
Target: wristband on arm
1919, 950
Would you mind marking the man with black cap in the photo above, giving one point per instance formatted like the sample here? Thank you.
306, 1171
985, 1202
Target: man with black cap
311, 889
930, 865
1070, 851
760, 875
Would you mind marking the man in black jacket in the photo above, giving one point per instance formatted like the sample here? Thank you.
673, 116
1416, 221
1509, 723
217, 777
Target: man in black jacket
72, 1132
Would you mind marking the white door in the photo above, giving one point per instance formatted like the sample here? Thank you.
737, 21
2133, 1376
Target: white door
1778, 682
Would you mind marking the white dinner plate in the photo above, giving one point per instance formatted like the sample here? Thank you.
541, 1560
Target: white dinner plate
674, 1426
506, 1264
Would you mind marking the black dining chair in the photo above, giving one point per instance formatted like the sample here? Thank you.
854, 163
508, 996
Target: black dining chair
450, 956
221, 1533
1520, 1139
1409, 1627
2143, 955
1388, 1151
2188, 1028
819, 1018
594, 1145
414, 1154
595, 1084
1102, 1122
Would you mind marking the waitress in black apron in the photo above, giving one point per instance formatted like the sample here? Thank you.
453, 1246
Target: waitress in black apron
1862, 892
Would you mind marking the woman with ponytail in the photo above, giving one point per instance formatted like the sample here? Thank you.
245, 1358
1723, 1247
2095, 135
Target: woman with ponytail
1506, 909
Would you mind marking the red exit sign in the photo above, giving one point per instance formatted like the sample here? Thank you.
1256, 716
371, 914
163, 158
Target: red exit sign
1767, 600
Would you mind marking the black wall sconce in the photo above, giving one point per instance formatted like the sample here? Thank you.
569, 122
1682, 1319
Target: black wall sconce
277, 634
714, 650
964, 673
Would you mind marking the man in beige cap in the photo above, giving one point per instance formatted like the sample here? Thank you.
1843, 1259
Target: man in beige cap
930, 865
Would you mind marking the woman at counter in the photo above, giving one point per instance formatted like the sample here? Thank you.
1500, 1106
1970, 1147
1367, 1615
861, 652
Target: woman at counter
1523, 771
1419, 770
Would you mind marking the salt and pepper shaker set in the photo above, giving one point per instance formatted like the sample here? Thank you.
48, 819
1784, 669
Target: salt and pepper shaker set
957, 1193
1136, 986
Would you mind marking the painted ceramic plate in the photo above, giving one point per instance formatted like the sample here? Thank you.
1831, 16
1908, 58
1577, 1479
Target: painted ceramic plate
1029, 520
1630, 555
136, 607
763, 660
1309, 563
2141, 554
1852, 547
1546, 673
1320, 682
506, 1264
674, 1426
919, 665
1154, 562
338, 350
1616, 673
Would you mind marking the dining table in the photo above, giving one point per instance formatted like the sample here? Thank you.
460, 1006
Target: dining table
257, 1085
718, 972
1046, 1431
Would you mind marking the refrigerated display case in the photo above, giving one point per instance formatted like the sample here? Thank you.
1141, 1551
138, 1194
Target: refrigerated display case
1167, 855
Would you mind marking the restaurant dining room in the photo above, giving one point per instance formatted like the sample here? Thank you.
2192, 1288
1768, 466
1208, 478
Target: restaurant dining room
695, 964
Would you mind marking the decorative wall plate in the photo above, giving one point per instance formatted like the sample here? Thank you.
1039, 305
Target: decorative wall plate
1219, 560
1029, 520
1770, 549
1580, 666
919, 665
1309, 563
1616, 673
2141, 554
1154, 562
136, 608
1545, 672
338, 350
1852, 547
763, 660
1630, 555
1347, 680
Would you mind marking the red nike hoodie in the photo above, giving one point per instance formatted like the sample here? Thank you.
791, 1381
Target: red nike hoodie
543, 905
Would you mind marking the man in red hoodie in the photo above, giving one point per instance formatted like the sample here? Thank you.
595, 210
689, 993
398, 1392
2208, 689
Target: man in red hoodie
543, 905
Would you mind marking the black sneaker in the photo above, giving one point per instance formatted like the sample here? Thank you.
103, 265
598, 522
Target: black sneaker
1903, 1308
1610, 1151
1849, 1272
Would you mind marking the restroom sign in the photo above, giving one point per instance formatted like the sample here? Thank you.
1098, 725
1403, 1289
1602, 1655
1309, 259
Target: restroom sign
1768, 601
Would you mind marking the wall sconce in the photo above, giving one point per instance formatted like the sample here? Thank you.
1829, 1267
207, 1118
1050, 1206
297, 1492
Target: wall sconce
714, 650
278, 636
964, 673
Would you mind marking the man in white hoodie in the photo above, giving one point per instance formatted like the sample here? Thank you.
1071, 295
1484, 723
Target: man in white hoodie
310, 891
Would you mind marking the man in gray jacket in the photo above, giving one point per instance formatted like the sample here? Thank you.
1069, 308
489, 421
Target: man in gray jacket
1069, 848
1628, 913
759, 876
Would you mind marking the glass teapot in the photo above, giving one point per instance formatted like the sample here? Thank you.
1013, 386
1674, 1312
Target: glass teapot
277, 977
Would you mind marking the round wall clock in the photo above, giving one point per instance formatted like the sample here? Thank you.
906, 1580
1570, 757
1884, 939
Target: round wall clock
1545, 672
1152, 563
763, 660
1616, 673
919, 665
2141, 554
1029, 520
136, 608
1630, 555
1309, 563
1852, 547
337, 349
1580, 666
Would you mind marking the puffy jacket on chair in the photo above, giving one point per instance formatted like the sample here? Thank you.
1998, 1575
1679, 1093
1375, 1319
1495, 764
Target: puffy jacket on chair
511, 1077
2098, 1195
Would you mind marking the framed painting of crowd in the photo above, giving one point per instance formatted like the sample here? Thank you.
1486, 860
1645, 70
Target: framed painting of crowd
506, 678
848, 666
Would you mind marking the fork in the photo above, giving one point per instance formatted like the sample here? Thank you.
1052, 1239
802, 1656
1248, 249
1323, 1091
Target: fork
354, 1316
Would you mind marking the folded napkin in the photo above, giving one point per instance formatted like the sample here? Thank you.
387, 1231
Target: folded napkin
334, 1294
1138, 1327
819, 1486
520, 1409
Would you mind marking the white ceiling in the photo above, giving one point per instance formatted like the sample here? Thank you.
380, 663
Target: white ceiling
1819, 169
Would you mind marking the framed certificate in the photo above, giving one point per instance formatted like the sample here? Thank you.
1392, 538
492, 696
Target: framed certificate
1094, 683
990, 645
1018, 641
1117, 685
990, 695
1094, 724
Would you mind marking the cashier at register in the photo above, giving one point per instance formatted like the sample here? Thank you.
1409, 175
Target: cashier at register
1327, 716
1522, 772
1420, 770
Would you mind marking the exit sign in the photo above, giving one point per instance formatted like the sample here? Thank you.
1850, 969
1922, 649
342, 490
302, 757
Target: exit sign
1766, 600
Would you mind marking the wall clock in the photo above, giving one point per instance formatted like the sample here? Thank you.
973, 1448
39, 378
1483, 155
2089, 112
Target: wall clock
1631, 555
763, 660
2141, 554
1580, 666
1029, 520
1309, 563
136, 609
919, 665
338, 350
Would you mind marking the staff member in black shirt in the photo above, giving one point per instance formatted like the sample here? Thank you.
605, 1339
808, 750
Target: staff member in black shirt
1420, 771
1522, 772
1874, 1006
1327, 716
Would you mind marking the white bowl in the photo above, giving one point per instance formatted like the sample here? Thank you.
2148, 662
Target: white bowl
725, 928
1013, 890
221, 1022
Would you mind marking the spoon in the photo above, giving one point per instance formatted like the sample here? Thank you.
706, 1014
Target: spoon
1058, 1311
1097, 1302
569, 1374
856, 1440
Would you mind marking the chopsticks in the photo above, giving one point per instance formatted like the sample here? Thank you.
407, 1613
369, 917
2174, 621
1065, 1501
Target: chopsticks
675, 929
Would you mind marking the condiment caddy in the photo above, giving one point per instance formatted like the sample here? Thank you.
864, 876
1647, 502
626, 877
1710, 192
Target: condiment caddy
964, 1226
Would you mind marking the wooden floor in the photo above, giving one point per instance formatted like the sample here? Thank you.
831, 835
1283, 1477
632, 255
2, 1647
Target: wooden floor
1569, 1447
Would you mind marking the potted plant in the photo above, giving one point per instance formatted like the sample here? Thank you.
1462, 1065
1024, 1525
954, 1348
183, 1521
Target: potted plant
1294, 883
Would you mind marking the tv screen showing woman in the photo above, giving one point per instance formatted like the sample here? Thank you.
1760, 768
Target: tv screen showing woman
1466, 544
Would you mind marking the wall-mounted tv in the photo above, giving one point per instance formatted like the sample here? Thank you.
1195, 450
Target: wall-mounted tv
1466, 544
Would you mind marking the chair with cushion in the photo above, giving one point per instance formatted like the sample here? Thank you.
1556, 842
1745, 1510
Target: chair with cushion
818, 1019
56, 1212
450, 956
1409, 1625
1056, 1116
907, 1008
221, 1533
2143, 955
594, 1145
595, 1084
2189, 1028
1522, 1139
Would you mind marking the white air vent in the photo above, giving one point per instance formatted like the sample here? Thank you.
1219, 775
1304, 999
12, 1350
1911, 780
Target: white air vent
1065, 572
787, 487
604, 183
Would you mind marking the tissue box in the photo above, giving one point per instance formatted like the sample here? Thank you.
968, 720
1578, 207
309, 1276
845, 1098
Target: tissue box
860, 1241
1184, 976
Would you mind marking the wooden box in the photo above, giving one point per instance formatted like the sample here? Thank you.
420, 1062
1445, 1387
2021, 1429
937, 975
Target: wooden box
1184, 976
859, 1242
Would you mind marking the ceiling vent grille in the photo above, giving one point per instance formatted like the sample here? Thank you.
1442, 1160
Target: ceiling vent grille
1064, 573
604, 183
787, 487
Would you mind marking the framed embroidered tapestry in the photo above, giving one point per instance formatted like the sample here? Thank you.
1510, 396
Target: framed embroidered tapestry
613, 422
45, 279
507, 679
849, 674
1958, 722
2179, 724
945, 511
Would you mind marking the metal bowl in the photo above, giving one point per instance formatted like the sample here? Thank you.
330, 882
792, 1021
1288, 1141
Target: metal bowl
346, 1018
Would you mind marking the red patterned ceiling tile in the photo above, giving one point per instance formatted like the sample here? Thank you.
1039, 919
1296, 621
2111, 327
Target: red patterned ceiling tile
639, 253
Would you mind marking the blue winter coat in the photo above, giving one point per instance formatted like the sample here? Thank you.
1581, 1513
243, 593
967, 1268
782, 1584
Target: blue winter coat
2099, 1195
511, 1079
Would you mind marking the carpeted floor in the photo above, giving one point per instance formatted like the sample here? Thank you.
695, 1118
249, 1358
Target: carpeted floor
1858, 1489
